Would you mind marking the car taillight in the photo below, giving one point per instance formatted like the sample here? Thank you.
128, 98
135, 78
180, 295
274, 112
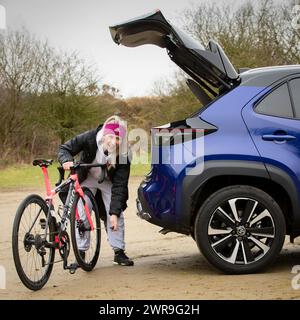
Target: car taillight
181, 131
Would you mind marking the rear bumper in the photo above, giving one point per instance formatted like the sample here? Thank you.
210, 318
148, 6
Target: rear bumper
157, 218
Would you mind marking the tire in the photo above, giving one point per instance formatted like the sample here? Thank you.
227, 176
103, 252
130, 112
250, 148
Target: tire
88, 262
21, 236
240, 229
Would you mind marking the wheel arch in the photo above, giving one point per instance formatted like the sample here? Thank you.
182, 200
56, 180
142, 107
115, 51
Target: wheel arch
218, 174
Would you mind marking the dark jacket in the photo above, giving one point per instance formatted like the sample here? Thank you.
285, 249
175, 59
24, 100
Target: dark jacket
87, 145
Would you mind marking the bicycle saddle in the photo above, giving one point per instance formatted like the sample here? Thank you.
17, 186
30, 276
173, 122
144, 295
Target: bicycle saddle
42, 162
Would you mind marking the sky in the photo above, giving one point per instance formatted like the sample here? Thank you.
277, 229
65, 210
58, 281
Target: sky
82, 25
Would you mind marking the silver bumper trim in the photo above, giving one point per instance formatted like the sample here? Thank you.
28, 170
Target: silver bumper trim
140, 213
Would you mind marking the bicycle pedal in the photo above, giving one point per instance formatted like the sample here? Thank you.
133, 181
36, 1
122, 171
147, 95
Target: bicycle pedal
73, 267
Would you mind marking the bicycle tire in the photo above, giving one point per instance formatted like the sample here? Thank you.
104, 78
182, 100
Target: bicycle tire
29, 283
86, 265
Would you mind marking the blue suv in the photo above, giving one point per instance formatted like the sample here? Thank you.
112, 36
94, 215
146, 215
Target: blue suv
240, 196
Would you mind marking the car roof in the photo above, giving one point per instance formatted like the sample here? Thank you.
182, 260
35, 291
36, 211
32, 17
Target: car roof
267, 75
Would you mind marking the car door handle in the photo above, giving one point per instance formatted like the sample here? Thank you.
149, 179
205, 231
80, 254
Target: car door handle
278, 137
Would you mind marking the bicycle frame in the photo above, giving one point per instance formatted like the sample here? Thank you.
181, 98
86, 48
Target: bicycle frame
74, 188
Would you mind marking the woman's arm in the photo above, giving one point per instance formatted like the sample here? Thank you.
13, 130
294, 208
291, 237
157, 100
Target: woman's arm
119, 191
72, 147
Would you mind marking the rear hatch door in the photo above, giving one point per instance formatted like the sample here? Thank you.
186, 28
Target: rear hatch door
205, 65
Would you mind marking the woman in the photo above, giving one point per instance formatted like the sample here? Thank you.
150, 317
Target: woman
107, 145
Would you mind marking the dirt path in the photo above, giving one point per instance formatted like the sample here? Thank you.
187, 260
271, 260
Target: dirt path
166, 267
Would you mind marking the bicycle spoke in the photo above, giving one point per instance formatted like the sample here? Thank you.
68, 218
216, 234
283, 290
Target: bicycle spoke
27, 257
25, 218
30, 270
35, 220
23, 227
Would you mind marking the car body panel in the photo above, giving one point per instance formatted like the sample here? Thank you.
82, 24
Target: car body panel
228, 151
164, 192
283, 155
233, 145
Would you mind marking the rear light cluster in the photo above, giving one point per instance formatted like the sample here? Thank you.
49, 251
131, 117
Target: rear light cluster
181, 131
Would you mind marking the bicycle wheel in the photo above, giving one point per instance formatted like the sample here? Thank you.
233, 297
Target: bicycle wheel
86, 242
33, 261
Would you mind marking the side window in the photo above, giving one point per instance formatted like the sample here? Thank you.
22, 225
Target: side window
295, 91
277, 103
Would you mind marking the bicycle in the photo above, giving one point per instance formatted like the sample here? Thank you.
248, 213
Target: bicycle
34, 241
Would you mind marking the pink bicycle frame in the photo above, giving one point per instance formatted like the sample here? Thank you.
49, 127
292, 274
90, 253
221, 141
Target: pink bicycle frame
51, 193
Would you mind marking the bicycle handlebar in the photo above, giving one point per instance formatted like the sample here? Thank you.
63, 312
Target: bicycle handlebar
75, 167
87, 165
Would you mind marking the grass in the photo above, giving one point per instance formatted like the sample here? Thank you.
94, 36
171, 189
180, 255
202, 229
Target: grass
28, 176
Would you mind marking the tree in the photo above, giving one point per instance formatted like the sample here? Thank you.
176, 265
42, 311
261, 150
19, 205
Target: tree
45, 95
255, 34
68, 99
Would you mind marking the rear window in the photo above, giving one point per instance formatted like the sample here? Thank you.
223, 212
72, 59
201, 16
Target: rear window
295, 91
277, 103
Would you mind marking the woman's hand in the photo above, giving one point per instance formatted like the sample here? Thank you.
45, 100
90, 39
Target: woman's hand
113, 222
67, 165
